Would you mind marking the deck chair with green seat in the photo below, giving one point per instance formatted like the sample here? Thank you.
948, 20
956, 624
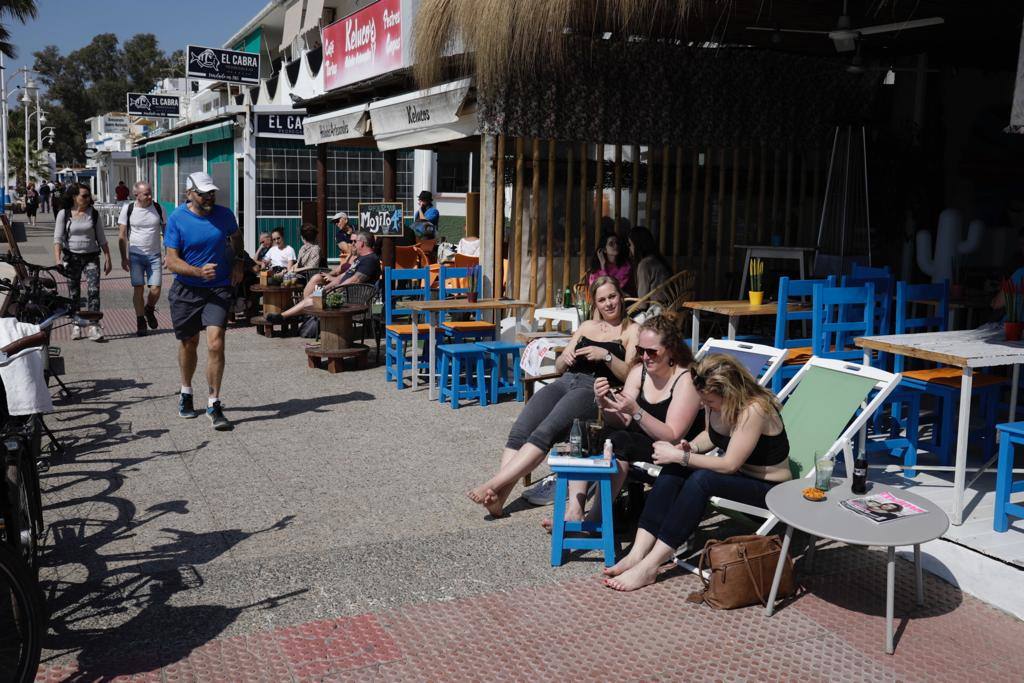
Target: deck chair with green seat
824, 407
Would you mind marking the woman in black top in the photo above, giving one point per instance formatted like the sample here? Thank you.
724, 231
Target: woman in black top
743, 419
657, 403
602, 347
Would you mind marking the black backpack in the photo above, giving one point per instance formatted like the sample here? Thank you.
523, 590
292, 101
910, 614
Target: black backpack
128, 218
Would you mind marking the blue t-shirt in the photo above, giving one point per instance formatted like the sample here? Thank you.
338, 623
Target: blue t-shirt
201, 240
432, 215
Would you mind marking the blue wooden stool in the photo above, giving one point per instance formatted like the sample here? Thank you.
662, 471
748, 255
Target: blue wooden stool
559, 527
503, 357
456, 360
1011, 434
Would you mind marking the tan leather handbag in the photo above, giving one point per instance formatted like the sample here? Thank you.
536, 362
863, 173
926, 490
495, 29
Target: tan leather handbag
741, 570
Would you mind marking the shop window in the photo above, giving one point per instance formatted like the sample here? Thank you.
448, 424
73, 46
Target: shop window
453, 171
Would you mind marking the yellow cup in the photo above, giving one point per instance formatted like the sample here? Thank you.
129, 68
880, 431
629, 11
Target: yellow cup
756, 298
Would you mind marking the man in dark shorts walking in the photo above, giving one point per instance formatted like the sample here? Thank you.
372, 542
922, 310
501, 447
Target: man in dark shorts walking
196, 239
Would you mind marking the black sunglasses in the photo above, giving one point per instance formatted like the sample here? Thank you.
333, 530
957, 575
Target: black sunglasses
642, 351
699, 381
205, 195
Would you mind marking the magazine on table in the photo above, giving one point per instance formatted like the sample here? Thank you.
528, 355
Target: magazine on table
882, 507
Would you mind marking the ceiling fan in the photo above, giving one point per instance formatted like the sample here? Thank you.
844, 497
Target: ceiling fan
845, 35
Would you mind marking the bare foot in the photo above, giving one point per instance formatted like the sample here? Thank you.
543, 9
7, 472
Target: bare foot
569, 517
625, 564
493, 505
631, 580
482, 494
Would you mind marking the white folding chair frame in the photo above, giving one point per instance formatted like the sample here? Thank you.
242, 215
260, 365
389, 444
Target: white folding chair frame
775, 355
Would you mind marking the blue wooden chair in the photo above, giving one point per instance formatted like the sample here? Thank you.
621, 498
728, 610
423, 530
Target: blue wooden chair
838, 316
798, 348
403, 284
454, 282
942, 383
883, 305
858, 271
1012, 436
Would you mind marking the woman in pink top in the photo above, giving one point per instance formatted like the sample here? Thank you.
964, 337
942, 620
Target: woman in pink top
611, 260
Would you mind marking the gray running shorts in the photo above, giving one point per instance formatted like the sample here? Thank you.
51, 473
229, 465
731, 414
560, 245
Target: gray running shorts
196, 308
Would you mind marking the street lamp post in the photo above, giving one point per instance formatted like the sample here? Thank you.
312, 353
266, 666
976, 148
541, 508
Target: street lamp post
26, 99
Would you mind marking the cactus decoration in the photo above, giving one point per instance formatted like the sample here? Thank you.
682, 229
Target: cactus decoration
756, 275
1012, 300
938, 265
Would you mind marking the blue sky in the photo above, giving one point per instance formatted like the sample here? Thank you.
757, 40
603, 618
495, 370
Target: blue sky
70, 24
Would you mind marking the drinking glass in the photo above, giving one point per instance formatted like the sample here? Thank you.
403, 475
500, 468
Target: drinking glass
823, 466
593, 443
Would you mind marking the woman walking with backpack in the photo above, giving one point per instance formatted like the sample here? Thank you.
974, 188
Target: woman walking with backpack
78, 238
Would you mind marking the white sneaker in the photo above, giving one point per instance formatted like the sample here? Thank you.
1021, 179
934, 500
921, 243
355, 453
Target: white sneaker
95, 333
76, 332
542, 493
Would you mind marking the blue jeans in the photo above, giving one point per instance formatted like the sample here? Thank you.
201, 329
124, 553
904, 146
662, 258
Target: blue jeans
145, 269
676, 505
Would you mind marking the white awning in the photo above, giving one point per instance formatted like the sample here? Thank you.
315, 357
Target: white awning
292, 21
344, 124
424, 117
314, 12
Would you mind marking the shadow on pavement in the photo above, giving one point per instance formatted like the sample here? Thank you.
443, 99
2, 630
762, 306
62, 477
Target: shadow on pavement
297, 406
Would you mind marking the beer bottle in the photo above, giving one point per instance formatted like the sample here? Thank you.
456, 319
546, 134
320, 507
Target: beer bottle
567, 300
859, 484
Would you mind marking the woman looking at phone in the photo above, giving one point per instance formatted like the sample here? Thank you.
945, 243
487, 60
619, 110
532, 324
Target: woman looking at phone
657, 403
600, 348
612, 260
744, 421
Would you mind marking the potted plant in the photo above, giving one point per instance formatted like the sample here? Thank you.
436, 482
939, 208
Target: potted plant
1012, 325
472, 280
582, 303
335, 299
756, 293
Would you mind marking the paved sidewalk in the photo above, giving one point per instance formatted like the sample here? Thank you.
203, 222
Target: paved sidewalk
328, 537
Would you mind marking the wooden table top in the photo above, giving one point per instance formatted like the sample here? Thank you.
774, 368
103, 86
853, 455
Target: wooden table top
462, 304
338, 312
770, 247
738, 308
275, 288
981, 348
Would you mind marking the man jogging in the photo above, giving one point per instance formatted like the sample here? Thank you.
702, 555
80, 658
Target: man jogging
206, 268
141, 226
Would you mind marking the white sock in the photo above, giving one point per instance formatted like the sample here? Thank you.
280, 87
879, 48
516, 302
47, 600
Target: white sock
210, 401
186, 390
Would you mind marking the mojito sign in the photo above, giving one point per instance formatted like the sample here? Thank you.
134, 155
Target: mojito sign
363, 45
143, 104
383, 219
215, 64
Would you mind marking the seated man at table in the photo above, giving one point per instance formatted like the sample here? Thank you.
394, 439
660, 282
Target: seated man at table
364, 270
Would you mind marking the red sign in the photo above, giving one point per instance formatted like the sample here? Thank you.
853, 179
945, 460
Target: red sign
363, 45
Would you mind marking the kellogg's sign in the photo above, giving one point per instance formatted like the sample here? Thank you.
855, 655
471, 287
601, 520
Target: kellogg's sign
363, 45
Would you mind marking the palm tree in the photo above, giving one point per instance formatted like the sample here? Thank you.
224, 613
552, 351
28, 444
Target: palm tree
20, 10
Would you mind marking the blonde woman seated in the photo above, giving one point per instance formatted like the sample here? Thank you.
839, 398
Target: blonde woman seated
657, 403
602, 347
743, 420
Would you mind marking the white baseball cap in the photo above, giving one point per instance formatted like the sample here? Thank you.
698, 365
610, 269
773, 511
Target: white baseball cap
339, 216
201, 182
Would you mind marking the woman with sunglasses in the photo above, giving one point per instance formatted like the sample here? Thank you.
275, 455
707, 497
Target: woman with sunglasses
78, 239
602, 347
280, 256
744, 421
657, 403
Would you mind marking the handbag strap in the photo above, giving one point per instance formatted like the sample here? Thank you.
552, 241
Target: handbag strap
698, 596
750, 573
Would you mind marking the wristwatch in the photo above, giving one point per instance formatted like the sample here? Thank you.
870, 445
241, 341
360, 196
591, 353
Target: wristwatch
639, 414
607, 358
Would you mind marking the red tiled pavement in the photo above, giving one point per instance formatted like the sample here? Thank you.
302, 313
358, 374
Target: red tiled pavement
579, 630
119, 322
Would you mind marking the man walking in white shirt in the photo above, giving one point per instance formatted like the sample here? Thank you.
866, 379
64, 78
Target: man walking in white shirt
141, 230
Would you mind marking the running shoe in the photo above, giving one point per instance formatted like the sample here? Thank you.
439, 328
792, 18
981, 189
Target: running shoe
274, 318
140, 326
76, 332
542, 493
185, 407
151, 317
216, 415
96, 332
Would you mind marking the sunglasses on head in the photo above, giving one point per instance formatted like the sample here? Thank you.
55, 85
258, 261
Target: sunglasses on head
699, 381
642, 351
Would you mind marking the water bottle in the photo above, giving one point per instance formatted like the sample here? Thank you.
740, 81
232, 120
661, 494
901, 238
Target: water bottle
576, 439
609, 451
859, 484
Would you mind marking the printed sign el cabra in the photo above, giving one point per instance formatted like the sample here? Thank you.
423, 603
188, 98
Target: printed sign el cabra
383, 219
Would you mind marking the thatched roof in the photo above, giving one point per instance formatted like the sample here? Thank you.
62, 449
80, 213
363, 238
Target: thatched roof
502, 40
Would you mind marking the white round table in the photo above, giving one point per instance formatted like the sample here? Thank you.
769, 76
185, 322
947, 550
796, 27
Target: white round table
828, 519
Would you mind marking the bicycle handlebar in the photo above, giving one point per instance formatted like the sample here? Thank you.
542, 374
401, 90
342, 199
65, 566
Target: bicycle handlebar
37, 339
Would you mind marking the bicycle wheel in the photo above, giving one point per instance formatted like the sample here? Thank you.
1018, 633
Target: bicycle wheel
22, 622
19, 526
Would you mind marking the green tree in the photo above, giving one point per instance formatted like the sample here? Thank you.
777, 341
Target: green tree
20, 10
93, 80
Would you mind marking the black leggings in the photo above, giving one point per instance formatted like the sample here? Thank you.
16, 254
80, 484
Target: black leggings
676, 505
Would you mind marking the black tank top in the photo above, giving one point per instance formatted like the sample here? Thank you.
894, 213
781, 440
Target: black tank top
586, 366
660, 409
769, 450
